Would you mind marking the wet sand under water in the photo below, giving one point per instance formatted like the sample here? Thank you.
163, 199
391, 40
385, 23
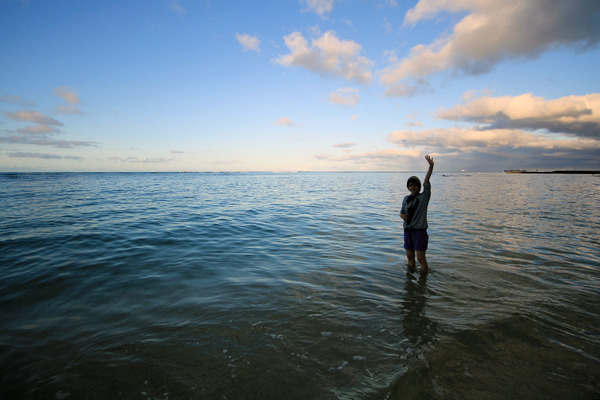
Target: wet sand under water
508, 359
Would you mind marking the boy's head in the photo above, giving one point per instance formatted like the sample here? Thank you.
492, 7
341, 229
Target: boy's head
414, 185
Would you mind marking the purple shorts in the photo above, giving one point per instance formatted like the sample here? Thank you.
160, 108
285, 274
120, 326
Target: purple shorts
417, 239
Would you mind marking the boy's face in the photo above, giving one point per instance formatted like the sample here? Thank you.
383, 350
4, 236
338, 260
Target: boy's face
413, 188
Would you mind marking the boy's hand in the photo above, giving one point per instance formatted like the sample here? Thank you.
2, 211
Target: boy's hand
430, 170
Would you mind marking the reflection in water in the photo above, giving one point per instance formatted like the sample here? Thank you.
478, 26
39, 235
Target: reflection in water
418, 328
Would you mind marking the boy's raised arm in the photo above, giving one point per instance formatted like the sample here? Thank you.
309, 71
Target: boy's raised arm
430, 170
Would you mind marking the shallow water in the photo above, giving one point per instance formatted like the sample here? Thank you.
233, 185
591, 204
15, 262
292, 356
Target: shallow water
273, 286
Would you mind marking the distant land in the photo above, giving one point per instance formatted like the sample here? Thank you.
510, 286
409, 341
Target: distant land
568, 171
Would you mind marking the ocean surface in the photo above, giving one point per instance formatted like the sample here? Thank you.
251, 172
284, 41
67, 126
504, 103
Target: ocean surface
295, 286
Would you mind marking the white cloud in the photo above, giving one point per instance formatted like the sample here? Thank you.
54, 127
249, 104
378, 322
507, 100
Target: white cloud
248, 42
67, 95
414, 122
150, 160
380, 158
387, 25
492, 31
177, 7
574, 115
284, 121
320, 7
232, 161
345, 97
70, 97
68, 109
328, 56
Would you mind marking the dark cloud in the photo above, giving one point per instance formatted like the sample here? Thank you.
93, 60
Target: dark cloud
37, 130
18, 100
345, 145
32, 116
46, 141
46, 156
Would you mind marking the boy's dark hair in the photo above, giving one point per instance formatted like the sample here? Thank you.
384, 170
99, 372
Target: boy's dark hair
415, 180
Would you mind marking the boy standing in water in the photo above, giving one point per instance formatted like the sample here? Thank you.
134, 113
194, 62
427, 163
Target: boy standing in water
414, 214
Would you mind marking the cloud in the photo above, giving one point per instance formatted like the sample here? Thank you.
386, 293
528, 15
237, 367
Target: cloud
248, 42
524, 131
37, 130
46, 141
226, 162
345, 145
381, 158
18, 100
176, 7
41, 134
572, 115
491, 32
284, 121
345, 97
497, 149
328, 56
466, 139
506, 132
150, 160
67, 95
70, 97
32, 116
320, 7
414, 122
68, 110
387, 26
44, 156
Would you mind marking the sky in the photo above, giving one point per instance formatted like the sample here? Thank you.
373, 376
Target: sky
299, 85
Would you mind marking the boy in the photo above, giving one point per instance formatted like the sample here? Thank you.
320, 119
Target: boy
414, 214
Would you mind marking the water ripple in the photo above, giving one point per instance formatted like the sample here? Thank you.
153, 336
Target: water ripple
295, 285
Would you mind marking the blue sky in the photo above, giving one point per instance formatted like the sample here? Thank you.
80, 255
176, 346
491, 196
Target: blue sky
290, 85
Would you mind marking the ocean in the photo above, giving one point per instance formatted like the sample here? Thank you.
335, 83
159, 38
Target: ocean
295, 286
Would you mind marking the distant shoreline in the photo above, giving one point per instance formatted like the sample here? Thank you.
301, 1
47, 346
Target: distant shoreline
522, 171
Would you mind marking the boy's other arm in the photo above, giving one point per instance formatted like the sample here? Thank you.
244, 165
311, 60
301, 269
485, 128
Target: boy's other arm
430, 170
403, 215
